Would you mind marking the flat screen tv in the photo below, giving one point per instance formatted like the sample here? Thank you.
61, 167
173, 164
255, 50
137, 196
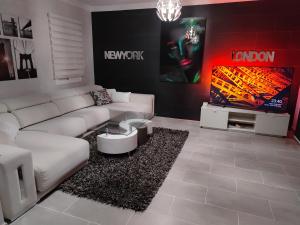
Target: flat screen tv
257, 88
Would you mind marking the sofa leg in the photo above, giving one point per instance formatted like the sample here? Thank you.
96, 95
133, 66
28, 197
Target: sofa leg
18, 190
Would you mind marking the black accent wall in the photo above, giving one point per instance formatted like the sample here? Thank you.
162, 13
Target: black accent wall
261, 25
139, 30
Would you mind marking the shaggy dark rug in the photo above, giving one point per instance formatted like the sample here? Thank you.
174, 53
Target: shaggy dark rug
127, 181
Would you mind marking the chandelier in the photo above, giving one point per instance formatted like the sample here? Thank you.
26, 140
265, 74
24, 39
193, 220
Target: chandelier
168, 10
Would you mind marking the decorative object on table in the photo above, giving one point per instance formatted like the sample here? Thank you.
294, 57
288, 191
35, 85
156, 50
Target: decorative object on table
123, 181
25, 27
182, 47
168, 10
101, 97
6, 61
25, 61
9, 25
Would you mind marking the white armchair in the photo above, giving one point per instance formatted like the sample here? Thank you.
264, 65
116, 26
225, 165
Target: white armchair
17, 186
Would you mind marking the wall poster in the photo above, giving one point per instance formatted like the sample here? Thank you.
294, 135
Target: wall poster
182, 46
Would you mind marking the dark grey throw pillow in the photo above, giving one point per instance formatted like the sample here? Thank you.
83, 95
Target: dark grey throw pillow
101, 97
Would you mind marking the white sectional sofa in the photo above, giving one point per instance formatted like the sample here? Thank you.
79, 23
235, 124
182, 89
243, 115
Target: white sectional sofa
47, 126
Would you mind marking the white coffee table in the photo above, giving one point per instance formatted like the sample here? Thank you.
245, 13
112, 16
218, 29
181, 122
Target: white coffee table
117, 143
120, 134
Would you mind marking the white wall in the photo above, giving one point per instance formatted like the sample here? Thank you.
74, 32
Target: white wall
37, 11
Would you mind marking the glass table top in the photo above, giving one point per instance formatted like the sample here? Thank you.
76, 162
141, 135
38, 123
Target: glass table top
124, 123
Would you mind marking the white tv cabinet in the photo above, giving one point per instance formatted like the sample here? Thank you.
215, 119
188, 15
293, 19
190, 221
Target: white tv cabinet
235, 119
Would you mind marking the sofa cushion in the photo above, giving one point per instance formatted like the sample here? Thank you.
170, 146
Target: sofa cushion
92, 116
111, 92
68, 126
134, 107
73, 103
121, 96
3, 108
36, 114
54, 156
25, 101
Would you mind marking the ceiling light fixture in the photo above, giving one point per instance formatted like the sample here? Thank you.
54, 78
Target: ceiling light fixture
168, 10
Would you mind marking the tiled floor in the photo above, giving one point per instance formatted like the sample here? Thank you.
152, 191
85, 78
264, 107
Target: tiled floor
220, 178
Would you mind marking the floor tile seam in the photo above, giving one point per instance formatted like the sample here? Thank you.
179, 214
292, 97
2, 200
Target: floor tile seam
273, 163
237, 211
235, 182
261, 217
268, 199
72, 204
205, 204
66, 214
184, 198
260, 170
250, 196
263, 161
231, 179
241, 168
171, 205
192, 170
273, 186
129, 218
205, 196
92, 223
271, 209
242, 179
185, 182
284, 203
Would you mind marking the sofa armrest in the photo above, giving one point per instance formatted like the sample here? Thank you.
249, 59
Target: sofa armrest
17, 186
1, 216
147, 99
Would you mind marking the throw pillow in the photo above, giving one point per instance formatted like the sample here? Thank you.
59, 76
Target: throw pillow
111, 92
121, 96
101, 97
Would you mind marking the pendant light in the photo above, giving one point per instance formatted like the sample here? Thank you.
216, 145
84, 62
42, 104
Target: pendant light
168, 10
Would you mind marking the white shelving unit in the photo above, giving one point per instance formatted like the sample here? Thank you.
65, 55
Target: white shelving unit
242, 120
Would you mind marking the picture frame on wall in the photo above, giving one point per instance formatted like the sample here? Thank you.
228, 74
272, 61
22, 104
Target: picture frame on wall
182, 47
25, 27
24, 59
9, 25
6, 60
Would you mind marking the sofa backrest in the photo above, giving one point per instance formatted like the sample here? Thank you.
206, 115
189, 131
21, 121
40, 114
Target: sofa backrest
35, 114
25, 101
73, 103
69, 100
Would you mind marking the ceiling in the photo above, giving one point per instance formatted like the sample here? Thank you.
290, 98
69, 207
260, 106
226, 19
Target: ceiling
105, 5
